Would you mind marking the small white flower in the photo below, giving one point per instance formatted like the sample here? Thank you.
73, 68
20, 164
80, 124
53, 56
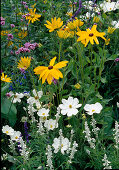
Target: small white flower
108, 6
35, 99
69, 106
17, 97
16, 135
117, 104
61, 144
43, 112
8, 130
93, 108
115, 24
50, 124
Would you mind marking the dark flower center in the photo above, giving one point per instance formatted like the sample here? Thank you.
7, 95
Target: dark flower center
91, 34
50, 67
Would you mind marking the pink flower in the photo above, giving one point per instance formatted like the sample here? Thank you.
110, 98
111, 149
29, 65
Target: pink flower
23, 16
11, 52
23, 2
12, 25
10, 36
26, 6
2, 21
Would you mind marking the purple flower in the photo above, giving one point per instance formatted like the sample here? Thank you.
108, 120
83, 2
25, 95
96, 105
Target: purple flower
26, 132
26, 6
12, 25
27, 45
17, 52
116, 60
28, 15
21, 20
10, 36
22, 70
2, 21
54, 80
23, 16
23, 2
11, 52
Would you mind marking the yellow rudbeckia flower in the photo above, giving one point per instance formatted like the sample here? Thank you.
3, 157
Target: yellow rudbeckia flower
90, 35
32, 17
54, 24
72, 25
111, 30
5, 78
50, 72
24, 63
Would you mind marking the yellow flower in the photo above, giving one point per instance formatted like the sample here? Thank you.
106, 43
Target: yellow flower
22, 34
77, 86
50, 72
74, 24
54, 24
5, 78
63, 34
33, 5
33, 17
4, 32
90, 35
96, 19
111, 30
69, 14
107, 41
24, 63
9, 43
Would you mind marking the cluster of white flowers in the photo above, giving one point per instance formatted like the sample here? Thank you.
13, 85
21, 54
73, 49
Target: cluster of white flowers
109, 6
90, 140
73, 150
61, 143
95, 129
93, 108
16, 136
116, 135
49, 157
91, 6
15, 97
106, 163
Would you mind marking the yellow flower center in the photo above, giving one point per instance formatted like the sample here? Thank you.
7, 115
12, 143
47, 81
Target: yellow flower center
70, 106
7, 132
90, 35
15, 96
44, 118
61, 145
43, 113
16, 137
51, 126
36, 97
50, 67
93, 110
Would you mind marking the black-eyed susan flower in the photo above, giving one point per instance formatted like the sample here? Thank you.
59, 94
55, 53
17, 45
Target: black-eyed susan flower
50, 72
5, 78
32, 16
24, 63
54, 24
90, 35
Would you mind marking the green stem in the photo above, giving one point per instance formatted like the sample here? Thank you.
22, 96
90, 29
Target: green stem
60, 48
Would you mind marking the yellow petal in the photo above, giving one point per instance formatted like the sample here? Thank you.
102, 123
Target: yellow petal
49, 79
52, 61
61, 64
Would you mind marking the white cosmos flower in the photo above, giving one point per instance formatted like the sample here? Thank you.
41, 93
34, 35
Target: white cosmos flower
61, 144
93, 108
16, 97
69, 106
16, 135
50, 124
108, 6
117, 104
35, 99
43, 112
8, 130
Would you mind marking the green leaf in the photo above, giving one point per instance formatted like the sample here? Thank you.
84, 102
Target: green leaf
9, 111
